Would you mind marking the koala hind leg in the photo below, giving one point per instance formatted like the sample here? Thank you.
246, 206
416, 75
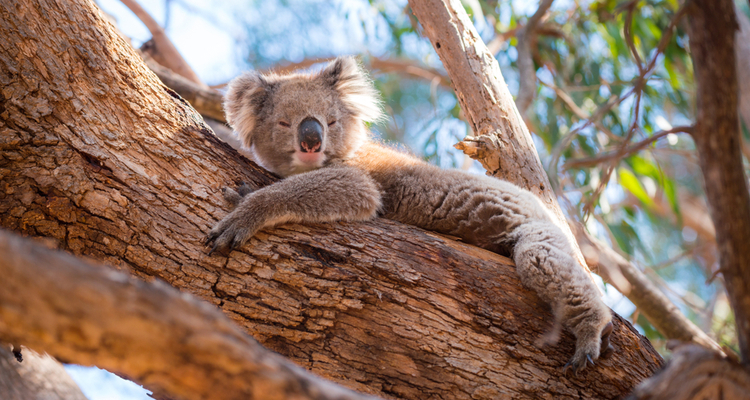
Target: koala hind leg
545, 264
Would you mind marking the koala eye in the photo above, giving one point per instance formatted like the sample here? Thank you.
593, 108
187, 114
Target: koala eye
284, 124
332, 123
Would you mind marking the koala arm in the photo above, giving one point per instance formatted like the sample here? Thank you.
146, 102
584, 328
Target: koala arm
336, 193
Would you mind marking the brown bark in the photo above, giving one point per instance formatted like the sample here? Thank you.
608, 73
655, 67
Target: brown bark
38, 377
501, 141
712, 29
695, 373
168, 341
106, 162
743, 68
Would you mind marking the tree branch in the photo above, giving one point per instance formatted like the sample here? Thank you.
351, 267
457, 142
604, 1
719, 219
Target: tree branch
712, 29
526, 70
171, 58
150, 332
618, 155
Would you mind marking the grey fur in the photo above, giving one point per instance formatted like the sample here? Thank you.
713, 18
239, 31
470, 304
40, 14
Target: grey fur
356, 179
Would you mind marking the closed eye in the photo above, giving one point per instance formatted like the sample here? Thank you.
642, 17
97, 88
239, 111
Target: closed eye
331, 123
284, 124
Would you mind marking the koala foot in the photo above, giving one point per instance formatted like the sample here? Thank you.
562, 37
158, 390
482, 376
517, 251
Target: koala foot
586, 353
235, 196
230, 233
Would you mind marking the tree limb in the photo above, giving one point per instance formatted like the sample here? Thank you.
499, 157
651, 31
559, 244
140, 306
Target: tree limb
619, 154
712, 29
526, 70
695, 373
171, 58
171, 342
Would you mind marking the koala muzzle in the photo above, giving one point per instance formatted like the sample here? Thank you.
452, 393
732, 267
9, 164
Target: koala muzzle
310, 135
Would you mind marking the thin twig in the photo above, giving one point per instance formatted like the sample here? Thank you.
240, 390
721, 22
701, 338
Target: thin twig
591, 161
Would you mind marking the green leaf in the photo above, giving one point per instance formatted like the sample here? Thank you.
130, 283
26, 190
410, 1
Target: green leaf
630, 182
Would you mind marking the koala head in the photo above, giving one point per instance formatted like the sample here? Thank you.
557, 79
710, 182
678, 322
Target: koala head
299, 122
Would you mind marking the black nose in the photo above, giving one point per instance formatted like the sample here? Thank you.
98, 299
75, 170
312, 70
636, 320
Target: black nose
310, 135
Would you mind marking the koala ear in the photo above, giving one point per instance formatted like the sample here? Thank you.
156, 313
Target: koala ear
245, 96
355, 88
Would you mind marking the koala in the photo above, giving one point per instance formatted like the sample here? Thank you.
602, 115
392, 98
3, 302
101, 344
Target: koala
310, 130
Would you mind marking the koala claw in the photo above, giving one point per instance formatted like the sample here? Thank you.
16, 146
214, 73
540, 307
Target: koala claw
578, 364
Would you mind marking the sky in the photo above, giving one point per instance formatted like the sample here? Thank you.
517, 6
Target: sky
207, 36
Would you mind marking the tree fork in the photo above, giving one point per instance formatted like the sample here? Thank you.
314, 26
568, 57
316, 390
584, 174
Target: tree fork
104, 161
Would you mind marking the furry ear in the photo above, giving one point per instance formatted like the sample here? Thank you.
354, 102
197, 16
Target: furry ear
355, 88
245, 96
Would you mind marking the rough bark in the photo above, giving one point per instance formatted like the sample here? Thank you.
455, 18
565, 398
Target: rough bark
38, 377
103, 160
166, 340
501, 141
712, 29
695, 373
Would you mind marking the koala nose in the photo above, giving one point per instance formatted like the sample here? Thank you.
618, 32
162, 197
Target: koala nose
310, 135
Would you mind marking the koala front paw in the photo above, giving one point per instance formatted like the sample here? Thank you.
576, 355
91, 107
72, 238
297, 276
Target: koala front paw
589, 350
230, 233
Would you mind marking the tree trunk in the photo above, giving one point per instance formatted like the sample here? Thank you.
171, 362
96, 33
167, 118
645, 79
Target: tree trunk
104, 161
712, 29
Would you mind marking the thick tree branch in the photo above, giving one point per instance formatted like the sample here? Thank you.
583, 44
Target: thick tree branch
150, 332
712, 30
38, 377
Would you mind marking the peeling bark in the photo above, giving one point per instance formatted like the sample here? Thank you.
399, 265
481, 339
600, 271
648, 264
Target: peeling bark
103, 160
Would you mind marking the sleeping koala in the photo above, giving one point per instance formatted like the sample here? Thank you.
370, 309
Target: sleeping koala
309, 129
